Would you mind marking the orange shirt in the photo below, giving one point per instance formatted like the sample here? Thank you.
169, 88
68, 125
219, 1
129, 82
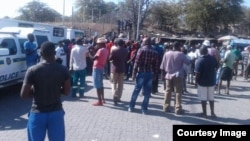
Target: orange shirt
109, 45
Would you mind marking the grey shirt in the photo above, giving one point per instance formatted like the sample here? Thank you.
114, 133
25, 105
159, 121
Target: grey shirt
47, 80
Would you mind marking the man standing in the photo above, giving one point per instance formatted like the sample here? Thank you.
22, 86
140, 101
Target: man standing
30, 51
159, 50
46, 82
78, 66
246, 62
60, 54
118, 57
227, 69
205, 72
100, 60
146, 65
173, 72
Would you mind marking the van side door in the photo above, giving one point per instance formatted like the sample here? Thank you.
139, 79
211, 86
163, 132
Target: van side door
13, 66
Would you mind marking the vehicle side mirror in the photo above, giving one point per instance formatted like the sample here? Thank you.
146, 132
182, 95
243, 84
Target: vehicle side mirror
4, 51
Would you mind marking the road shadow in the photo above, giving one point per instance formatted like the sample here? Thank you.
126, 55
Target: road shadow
13, 109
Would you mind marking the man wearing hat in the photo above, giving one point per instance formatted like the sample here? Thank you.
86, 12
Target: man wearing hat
78, 66
227, 68
100, 59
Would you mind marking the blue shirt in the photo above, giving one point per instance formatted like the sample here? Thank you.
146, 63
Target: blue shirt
206, 67
31, 57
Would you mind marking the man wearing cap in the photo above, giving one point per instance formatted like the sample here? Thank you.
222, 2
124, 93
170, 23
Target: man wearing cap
100, 59
78, 66
227, 68
146, 65
118, 57
212, 50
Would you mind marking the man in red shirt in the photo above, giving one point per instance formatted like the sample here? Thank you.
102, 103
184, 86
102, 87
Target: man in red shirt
100, 60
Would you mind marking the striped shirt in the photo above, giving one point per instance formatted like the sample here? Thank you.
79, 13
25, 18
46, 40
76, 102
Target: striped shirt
146, 60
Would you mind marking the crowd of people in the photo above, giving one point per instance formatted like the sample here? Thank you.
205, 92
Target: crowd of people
64, 68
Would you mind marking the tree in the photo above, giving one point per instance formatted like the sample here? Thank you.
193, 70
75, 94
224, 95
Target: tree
244, 25
37, 12
165, 14
90, 10
133, 7
207, 15
230, 12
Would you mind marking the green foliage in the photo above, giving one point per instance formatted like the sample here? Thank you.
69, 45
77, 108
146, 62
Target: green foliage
165, 14
88, 9
38, 12
207, 15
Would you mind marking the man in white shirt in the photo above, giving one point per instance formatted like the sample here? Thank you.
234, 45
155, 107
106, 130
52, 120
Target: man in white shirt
78, 66
60, 53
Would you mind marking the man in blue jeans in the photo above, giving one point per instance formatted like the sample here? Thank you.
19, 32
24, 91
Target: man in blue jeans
45, 83
146, 65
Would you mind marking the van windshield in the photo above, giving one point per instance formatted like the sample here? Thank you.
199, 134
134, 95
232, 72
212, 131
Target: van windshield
21, 42
40, 39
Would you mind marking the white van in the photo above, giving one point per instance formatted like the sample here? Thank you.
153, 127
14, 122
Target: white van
56, 33
74, 33
12, 59
40, 35
12, 55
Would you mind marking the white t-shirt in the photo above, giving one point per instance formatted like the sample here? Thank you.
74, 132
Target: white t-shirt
60, 53
78, 57
187, 68
192, 55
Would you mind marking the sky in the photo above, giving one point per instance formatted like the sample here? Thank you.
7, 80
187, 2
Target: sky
10, 7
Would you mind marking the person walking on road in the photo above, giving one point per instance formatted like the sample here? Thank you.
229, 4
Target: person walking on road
205, 72
78, 66
118, 57
146, 65
99, 63
46, 82
173, 73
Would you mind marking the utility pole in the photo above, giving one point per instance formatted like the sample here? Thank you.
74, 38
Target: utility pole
72, 20
63, 12
92, 17
138, 20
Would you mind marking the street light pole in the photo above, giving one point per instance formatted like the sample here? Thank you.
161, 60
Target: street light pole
92, 13
63, 12
138, 20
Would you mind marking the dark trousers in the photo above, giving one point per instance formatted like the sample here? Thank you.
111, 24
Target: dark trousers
155, 83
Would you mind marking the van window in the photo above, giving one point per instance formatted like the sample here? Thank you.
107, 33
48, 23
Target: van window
78, 34
10, 44
40, 39
58, 32
21, 42
25, 25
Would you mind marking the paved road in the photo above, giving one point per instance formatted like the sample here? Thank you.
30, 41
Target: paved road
85, 122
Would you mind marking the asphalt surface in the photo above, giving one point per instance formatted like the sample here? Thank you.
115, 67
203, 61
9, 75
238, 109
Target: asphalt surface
110, 122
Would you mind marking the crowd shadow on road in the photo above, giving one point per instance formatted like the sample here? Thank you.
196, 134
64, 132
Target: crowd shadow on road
155, 109
13, 109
